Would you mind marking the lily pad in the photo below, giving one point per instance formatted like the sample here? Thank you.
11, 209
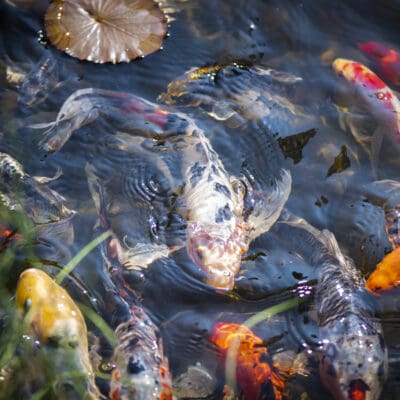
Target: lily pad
106, 30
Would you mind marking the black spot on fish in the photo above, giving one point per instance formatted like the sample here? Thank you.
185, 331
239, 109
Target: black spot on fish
214, 170
133, 342
331, 371
200, 149
267, 391
265, 358
134, 367
223, 214
222, 189
331, 351
381, 342
196, 173
381, 370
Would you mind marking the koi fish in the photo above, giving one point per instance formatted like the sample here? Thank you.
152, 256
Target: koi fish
20, 191
141, 371
385, 59
39, 82
223, 216
387, 273
377, 98
85, 106
353, 356
256, 377
238, 94
51, 318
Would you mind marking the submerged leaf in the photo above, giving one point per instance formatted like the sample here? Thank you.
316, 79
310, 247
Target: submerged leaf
106, 30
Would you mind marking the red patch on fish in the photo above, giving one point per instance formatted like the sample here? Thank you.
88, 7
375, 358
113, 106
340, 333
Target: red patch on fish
358, 390
256, 378
151, 114
365, 76
385, 59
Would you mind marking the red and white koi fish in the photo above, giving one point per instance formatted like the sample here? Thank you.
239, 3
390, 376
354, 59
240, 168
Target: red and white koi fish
385, 60
376, 98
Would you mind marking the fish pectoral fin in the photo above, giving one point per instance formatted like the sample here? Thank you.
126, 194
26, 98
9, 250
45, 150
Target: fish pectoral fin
268, 205
47, 179
143, 254
289, 362
376, 144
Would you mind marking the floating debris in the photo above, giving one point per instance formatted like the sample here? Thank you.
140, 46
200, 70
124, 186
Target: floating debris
106, 30
340, 163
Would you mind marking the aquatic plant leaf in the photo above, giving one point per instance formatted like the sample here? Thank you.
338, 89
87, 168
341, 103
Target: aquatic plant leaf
106, 30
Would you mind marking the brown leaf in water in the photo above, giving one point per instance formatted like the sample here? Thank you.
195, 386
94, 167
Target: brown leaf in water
106, 30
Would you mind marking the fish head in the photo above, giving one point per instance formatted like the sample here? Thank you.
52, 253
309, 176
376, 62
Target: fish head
215, 253
354, 366
48, 309
357, 74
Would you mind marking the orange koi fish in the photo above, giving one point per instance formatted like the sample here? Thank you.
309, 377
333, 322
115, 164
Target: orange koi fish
256, 378
387, 273
376, 98
385, 59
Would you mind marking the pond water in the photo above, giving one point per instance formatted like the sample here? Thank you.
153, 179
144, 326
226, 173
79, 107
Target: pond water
301, 38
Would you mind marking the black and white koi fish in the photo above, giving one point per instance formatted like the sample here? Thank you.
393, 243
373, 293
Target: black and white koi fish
353, 355
223, 213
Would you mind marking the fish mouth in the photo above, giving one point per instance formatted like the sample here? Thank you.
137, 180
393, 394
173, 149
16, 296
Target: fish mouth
358, 390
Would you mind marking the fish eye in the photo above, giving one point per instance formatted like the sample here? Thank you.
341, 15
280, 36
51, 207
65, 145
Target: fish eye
340, 74
27, 304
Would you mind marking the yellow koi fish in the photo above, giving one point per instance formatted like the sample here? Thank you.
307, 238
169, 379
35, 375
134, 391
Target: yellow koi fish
58, 355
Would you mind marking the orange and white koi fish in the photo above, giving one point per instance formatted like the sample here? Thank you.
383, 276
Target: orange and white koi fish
385, 60
51, 318
256, 377
376, 98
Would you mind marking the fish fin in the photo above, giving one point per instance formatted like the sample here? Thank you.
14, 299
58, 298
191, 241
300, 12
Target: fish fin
42, 125
45, 179
376, 144
143, 254
289, 218
267, 206
289, 362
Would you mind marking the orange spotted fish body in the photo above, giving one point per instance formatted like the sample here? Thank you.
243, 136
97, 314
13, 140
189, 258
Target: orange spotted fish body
256, 378
385, 59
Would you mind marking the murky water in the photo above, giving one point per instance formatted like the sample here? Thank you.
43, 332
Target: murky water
301, 38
